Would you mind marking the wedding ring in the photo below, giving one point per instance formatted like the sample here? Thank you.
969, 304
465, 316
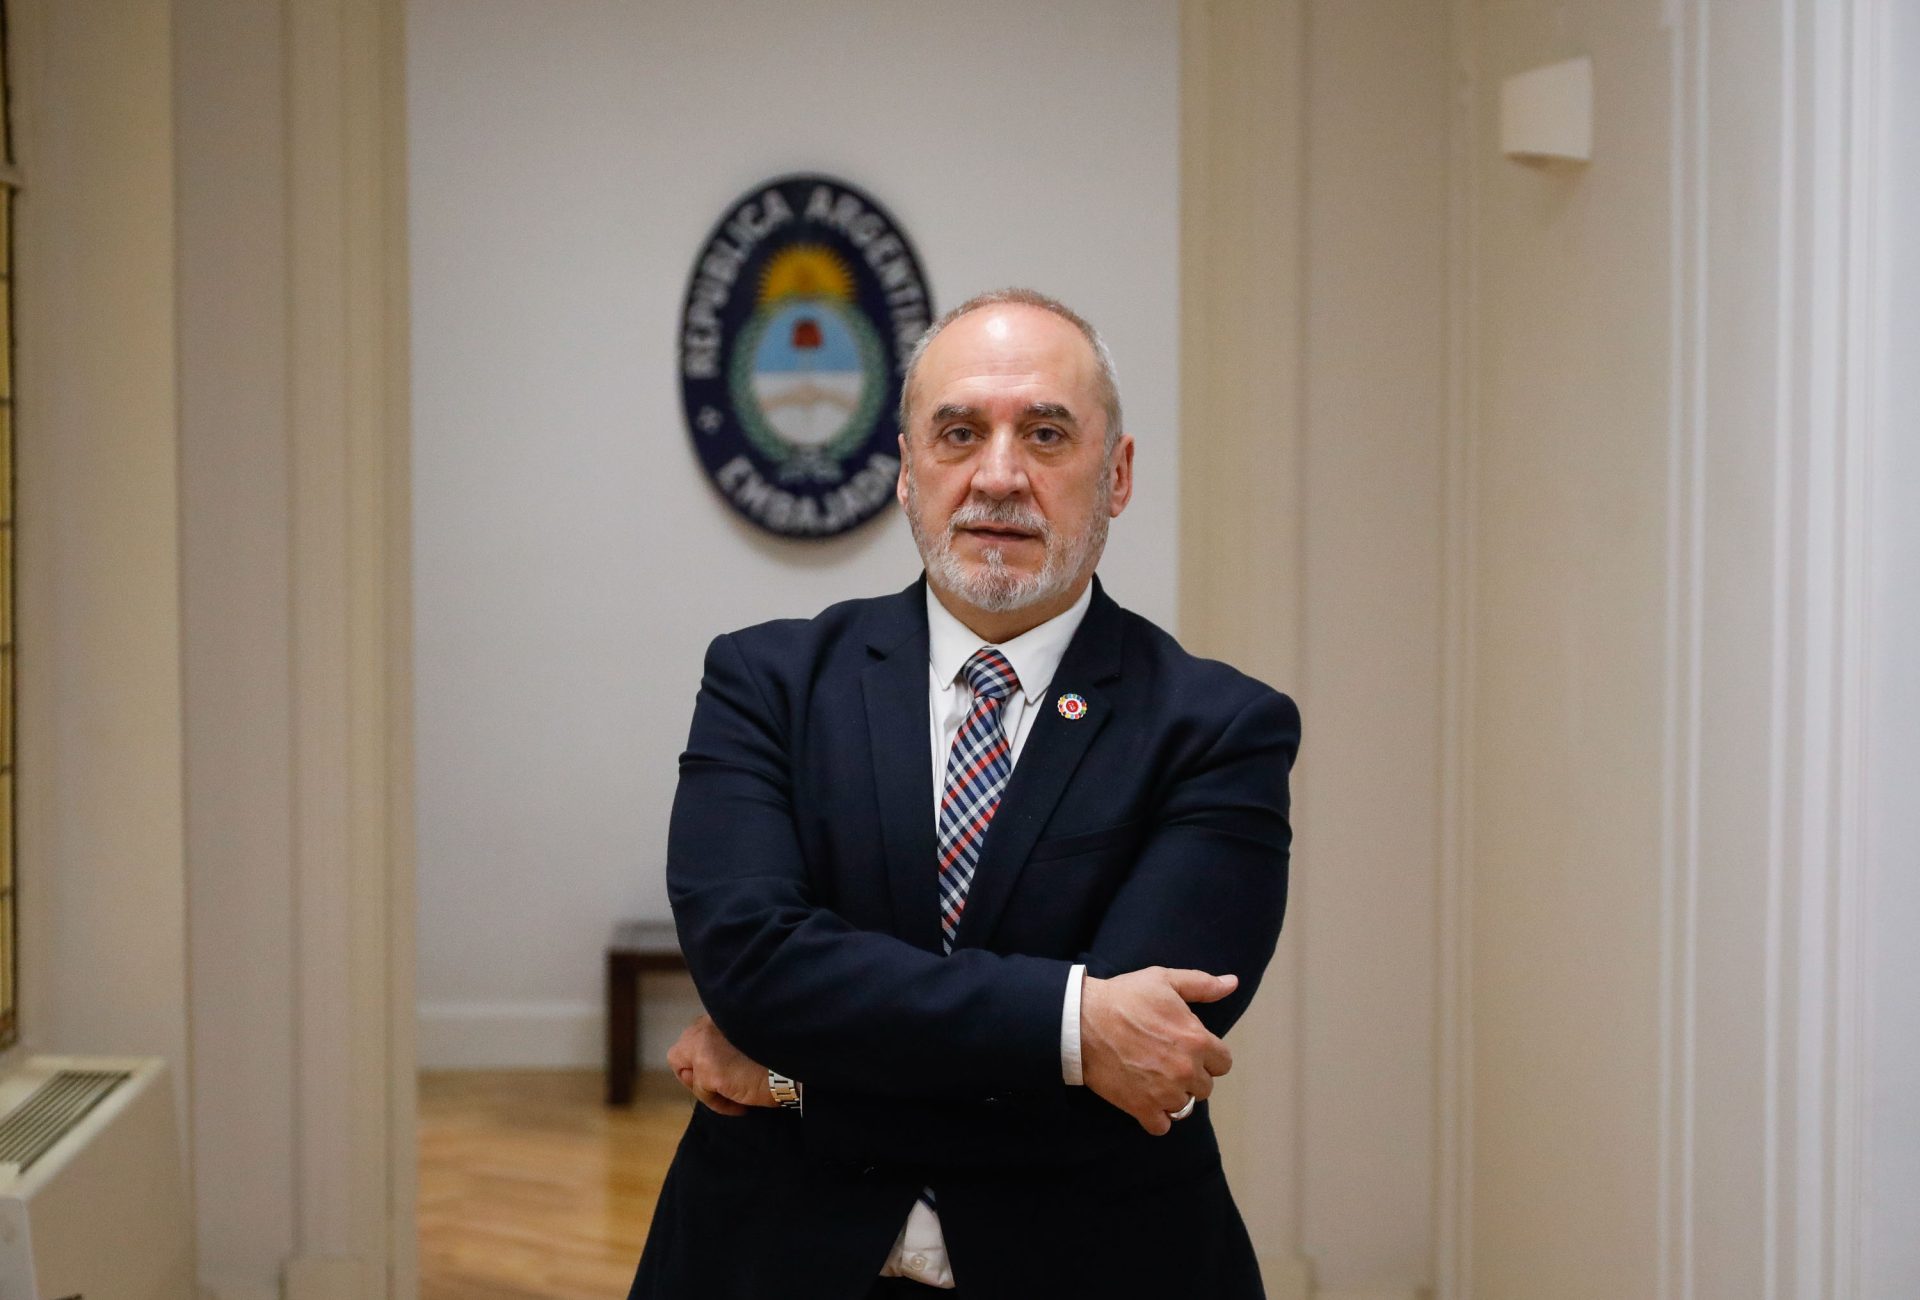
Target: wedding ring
1184, 1111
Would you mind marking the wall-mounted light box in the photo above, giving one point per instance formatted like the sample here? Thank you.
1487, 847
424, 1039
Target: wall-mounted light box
1546, 113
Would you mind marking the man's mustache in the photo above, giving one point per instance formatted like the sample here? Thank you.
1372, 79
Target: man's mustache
1003, 514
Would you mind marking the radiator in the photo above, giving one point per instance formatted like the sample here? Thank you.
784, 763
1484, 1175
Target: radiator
92, 1202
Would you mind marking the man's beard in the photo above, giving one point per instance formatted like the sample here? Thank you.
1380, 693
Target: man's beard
993, 586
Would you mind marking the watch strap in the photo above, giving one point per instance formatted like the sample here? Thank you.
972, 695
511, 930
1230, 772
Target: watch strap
786, 1092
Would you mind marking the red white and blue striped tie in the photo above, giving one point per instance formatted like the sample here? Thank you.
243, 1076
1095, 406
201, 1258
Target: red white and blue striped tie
978, 766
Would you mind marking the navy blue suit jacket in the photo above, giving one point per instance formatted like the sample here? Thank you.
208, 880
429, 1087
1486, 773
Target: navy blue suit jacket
801, 868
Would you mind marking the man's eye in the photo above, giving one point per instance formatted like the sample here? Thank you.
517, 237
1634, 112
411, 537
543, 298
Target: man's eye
1046, 435
957, 433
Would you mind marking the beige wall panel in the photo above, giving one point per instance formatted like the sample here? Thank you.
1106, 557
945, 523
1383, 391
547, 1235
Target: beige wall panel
1375, 400
1314, 399
232, 177
101, 884
1570, 596
1241, 153
1681, 681
294, 486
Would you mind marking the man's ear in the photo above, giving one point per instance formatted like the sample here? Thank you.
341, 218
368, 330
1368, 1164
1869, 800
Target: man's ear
900, 480
1122, 471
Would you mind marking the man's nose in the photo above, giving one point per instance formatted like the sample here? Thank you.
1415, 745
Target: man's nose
1001, 470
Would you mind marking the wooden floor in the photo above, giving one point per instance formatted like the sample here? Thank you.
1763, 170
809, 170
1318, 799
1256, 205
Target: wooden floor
531, 1189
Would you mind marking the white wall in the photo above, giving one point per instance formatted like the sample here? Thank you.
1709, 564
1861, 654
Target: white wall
571, 561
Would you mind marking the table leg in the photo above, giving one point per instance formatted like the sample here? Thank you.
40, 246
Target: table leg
623, 1027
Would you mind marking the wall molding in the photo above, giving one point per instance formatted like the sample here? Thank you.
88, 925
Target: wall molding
380, 33
1871, 232
1680, 774
355, 1162
1831, 278
1453, 1084
1813, 954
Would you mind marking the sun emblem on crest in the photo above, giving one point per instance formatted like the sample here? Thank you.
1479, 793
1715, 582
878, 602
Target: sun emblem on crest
806, 271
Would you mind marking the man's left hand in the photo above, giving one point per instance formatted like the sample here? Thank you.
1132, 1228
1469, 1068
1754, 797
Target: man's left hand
717, 1072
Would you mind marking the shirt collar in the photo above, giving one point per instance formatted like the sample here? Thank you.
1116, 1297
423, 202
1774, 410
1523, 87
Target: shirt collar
1035, 654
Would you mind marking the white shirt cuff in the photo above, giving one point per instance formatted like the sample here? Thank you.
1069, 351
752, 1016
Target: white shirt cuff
1070, 1029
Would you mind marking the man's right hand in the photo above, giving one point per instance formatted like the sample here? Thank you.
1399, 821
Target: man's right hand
1142, 1049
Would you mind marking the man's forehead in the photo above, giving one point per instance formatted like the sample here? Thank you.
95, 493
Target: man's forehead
1009, 344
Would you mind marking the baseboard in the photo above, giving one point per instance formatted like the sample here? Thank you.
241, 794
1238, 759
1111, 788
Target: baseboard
510, 1035
530, 1035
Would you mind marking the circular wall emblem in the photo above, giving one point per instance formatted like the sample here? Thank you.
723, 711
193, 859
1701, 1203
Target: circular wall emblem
804, 304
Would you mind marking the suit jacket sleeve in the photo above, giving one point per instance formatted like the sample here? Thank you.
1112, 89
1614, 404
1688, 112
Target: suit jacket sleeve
1207, 891
797, 987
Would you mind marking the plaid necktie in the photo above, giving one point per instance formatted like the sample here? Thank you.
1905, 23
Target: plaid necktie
978, 766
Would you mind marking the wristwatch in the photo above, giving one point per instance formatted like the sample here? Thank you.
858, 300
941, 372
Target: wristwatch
786, 1092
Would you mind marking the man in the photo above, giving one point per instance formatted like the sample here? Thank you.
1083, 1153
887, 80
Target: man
949, 868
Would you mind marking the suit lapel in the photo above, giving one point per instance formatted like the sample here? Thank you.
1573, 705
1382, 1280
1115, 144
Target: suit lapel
1047, 762
895, 690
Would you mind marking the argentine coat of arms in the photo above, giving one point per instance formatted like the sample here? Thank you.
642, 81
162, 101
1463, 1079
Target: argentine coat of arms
803, 307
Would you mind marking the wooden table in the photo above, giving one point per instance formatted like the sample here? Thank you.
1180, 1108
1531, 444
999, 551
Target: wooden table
636, 946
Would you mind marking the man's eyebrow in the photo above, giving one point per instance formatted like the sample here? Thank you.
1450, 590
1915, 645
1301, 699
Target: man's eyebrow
1033, 411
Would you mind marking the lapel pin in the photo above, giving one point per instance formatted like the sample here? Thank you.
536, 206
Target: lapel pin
1072, 707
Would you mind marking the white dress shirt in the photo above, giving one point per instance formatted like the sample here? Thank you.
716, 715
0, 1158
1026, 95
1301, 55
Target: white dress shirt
920, 1251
